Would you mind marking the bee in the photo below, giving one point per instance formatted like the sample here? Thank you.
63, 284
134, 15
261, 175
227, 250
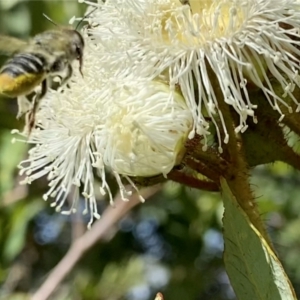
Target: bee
35, 62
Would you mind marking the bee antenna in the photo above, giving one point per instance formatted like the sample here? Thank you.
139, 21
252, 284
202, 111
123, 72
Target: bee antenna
49, 19
84, 18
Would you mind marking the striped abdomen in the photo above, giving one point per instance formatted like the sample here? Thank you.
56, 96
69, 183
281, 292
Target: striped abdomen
21, 74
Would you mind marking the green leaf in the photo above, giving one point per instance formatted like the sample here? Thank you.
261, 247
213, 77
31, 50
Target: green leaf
17, 234
18, 296
253, 268
10, 155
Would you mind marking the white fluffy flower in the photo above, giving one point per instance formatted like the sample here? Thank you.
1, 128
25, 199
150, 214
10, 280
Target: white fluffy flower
135, 129
148, 71
236, 41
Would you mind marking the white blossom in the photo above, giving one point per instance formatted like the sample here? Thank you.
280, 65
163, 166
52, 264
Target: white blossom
235, 40
134, 129
147, 87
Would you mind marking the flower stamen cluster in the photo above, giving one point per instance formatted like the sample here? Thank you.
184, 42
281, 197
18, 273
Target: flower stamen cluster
154, 75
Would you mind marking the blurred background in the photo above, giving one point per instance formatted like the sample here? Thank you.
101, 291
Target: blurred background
172, 243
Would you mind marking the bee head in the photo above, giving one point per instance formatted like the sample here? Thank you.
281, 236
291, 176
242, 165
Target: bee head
76, 46
76, 41
79, 39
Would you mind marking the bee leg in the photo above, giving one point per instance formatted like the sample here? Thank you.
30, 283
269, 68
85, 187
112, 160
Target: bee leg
24, 105
30, 120
68, 75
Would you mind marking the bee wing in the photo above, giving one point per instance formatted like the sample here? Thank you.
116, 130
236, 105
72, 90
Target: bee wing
10, 45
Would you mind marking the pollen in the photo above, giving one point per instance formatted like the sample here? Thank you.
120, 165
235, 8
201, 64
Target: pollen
20, 85
200, 22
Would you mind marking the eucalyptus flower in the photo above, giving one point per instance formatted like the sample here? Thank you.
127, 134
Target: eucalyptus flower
133, 129
154, 72
237, 42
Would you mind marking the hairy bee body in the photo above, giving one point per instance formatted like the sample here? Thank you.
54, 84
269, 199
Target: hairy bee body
21, 74
48, 54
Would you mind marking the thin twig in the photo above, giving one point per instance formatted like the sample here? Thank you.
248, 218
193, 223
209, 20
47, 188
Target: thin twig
18, 193
110, 217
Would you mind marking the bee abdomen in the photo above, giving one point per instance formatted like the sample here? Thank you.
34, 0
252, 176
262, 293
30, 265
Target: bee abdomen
24, 63
21, 74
